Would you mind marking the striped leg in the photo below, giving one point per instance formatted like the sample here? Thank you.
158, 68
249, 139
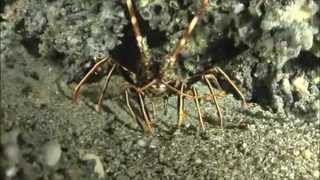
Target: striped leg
181, 107
98, 107
141, 124
186, 34
76, 91
136, 29
219, 70
196, 100
147, 122
214, 98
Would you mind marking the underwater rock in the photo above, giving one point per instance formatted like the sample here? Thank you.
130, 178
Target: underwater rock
241, 37
52, 153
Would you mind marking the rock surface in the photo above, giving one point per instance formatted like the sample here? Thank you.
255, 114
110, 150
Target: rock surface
272, 56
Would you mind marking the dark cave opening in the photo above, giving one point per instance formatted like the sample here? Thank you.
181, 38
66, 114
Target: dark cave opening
223, 50
306, 61
127, 54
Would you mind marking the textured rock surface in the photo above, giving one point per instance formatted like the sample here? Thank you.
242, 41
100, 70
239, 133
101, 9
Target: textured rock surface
271, 55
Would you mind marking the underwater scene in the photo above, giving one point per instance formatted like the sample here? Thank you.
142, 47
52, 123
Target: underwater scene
159, 89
